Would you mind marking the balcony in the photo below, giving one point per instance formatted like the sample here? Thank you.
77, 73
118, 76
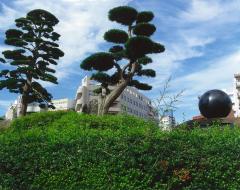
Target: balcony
114, 109
79, 90
79, 101
237, 76
238, 85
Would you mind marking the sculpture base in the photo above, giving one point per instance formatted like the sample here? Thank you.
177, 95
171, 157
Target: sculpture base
203, 123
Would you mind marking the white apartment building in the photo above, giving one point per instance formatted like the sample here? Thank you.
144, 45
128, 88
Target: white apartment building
131, 101
63, 104
60, 104
167, 122
236, 95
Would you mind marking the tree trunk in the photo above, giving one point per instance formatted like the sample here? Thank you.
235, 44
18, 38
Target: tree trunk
24, 100
113, 96
24, 105
101, 101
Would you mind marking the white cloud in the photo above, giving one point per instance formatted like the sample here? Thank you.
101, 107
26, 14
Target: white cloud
5, 103
219, 74
7, 16
211, 11
203, 23
82, 25
202, 10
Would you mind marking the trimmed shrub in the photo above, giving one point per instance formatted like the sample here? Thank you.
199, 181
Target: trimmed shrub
36, 120
117, 152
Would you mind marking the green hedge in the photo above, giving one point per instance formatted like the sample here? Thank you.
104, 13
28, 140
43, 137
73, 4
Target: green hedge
72, 151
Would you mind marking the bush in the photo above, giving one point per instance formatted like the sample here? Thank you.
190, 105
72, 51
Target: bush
42, 119
115, 152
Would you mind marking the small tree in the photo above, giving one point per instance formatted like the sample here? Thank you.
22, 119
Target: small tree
35, 52
167, 102
127, 56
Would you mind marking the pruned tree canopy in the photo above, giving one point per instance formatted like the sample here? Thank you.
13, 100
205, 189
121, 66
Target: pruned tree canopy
144, 29
145, 16
127, 56
35, 52
124, 15
116, 36
99, 61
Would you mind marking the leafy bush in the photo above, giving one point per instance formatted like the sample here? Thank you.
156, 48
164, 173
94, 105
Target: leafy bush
37, 120
72, 151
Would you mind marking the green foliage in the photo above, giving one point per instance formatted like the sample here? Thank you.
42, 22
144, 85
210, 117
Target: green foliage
147, 72
2, 60
139, 85
71, 151
32, 59
36, 120
39, 16
145, 16
137, 47
157, 48
100, 77
128, 58
116, 36
144, 60
124, 15
99, 61
116, 49
144, 29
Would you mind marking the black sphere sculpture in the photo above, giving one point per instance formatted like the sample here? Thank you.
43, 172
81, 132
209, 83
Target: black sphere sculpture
215, 104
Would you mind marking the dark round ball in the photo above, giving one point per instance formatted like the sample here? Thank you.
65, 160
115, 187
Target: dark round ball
215, 104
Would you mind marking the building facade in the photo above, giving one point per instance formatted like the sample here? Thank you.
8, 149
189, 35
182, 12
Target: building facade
60, 104
131, 101
167, 122
236, 95
63, 104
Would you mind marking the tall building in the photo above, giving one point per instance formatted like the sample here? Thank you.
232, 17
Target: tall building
236, 95
60, 104
63, 104
167, 121
131, 101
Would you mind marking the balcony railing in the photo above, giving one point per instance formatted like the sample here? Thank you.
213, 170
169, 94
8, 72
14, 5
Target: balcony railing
79, 101
237, 75
238, 85
114, 109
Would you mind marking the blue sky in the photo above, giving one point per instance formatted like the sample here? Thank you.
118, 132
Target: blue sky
201, 37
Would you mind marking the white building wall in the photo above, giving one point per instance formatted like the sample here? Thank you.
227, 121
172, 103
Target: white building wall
167, 122
60, 104
236, 95
63, 104
131, 101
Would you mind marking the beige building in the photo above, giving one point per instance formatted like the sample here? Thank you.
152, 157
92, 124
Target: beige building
167, 121
131, 101
236, 95
63, 104
60, 104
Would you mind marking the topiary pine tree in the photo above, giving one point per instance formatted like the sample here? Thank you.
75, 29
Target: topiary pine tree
131, 48
36, 50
